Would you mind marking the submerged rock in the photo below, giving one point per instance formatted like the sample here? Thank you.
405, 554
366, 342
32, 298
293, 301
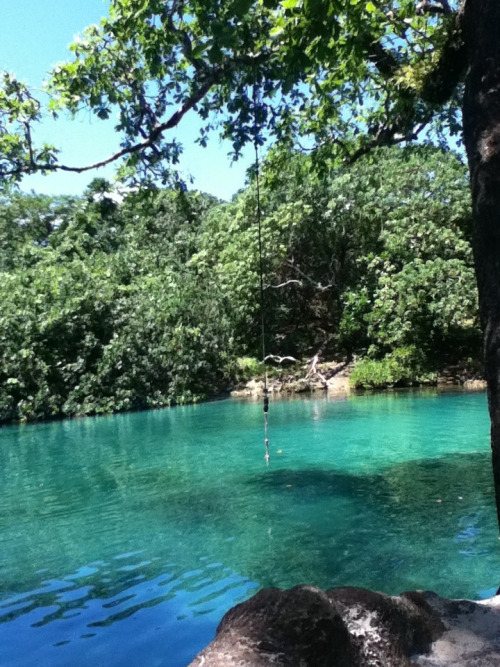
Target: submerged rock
355, 627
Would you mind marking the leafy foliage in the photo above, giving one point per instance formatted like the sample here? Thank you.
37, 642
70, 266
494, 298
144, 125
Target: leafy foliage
369, 258
348, 75
143, 298
418, 288
402, 367
26, 223
100, 323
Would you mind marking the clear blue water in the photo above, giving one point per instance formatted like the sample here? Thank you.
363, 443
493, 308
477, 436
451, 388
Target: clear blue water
123, 540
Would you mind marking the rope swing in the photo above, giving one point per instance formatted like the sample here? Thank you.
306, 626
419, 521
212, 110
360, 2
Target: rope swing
261, 273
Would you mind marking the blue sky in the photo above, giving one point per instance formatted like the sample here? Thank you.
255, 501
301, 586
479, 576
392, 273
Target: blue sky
34, 35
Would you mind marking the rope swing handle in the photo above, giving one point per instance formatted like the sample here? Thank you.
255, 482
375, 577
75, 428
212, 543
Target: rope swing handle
261, 270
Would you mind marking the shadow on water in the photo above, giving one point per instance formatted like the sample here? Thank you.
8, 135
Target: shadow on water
413, 483
411, 525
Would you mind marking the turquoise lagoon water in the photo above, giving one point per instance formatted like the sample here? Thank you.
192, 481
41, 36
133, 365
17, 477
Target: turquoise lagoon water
124, 539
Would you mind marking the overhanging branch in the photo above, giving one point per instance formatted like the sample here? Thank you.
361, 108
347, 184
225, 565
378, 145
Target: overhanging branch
441, 82
437, 89
429, 7
210, 78
389, 136
173, 121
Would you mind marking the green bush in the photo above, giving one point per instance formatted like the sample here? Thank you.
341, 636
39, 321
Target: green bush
107, 319
247, 368
402, 367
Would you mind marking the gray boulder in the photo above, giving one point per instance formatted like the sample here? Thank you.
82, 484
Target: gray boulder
355, 627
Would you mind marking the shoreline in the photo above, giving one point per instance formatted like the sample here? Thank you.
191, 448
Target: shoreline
330, 379
333, 379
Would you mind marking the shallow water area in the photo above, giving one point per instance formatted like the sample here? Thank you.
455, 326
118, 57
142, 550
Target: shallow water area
124, 539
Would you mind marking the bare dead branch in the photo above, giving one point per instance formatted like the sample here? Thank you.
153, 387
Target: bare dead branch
313, 370
288, 282
279, 360
318, 286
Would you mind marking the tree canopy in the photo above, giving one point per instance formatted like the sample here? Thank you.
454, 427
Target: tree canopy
341, 76
112, 305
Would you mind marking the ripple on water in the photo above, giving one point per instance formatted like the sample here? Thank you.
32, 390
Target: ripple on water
83, 607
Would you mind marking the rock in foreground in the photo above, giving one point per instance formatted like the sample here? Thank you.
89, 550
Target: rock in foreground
354, 627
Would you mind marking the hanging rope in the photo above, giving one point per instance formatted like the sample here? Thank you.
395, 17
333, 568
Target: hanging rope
261, 272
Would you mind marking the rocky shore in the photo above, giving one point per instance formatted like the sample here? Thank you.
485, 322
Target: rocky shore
333, 378
353, 627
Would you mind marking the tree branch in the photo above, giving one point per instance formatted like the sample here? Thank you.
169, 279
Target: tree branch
318, 286
388, 136
438, 87
383, 60
288, 282
441, 83
429, 7
157, 131
210, 78
279, 360
314, 371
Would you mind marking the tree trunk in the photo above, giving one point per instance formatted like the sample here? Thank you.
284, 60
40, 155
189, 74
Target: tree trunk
481, 122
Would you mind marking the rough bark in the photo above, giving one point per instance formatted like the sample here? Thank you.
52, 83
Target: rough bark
481, 122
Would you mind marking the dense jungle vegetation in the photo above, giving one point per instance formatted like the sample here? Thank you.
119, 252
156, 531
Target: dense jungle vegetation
112, 303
